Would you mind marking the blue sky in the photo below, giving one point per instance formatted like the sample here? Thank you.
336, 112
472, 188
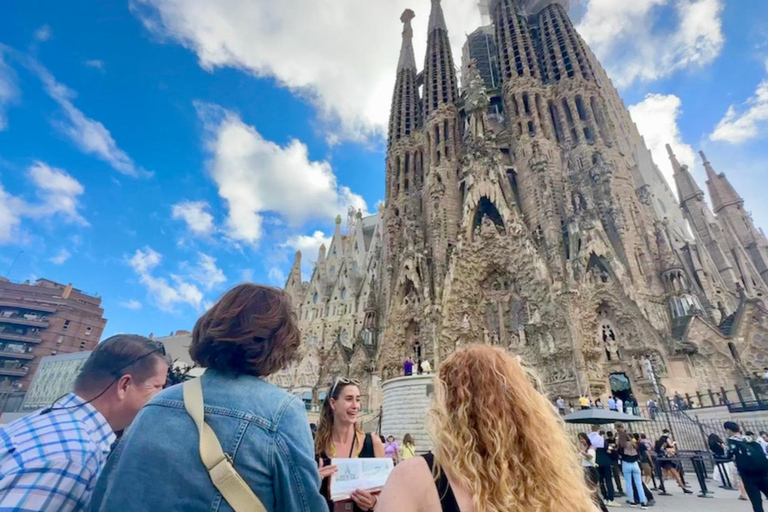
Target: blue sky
157, 152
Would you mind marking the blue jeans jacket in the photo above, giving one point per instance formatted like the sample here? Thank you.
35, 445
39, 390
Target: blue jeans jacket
157, 464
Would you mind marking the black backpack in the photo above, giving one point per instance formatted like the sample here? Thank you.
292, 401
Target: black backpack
749, 457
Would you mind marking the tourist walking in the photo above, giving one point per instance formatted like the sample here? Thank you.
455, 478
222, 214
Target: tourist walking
603, 462
52, 458
391, 449
560, 406
652, 408
530, 464
720, 451
666, 448
751, 463
613, 453
408, 449
228, 436
630, 467
588, 457
583, 402
599, 403
339, 437
426, 367
611, 403
619, 404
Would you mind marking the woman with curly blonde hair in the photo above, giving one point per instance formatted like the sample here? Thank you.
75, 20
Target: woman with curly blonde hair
499, 445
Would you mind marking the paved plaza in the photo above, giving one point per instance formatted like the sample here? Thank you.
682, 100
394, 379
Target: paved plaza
721, 501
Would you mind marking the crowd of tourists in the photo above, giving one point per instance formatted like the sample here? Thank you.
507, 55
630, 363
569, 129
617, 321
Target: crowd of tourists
614, 403
230, 440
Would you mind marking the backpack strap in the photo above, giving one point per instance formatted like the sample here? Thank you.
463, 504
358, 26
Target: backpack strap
219, 465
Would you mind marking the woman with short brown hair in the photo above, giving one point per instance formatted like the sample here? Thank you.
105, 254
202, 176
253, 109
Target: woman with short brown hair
250, 333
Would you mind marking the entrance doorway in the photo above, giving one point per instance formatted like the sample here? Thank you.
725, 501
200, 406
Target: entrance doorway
620, 386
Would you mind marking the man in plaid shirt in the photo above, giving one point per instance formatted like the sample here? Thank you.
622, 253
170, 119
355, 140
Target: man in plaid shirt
51, 459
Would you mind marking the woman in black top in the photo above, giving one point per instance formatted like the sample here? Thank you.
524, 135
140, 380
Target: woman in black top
338, 437
498, 445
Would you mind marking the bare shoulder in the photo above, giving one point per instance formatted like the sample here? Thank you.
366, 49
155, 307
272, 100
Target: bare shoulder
413, 474
408, 488
377, 443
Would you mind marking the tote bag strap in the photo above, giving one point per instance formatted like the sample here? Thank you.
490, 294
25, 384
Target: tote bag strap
219, 465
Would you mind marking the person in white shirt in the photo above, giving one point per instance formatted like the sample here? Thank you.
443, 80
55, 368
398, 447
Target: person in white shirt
588, 456
762, 440
619, 404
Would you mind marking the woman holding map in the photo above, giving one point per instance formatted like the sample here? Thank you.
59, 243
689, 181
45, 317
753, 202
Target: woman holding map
338, 437
498, 445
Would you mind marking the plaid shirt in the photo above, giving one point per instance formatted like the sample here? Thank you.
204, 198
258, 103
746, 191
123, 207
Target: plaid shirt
52, 461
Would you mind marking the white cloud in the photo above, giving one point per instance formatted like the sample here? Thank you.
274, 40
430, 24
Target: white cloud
131, 304
195, 213
257, 177
656, 118
737, 127
247, 275
309, 245
162, 292
57, 194
9, 90
43, 33
206, 272
627, 38
95, 64
276, 276
341, 55
89, 135
61, 257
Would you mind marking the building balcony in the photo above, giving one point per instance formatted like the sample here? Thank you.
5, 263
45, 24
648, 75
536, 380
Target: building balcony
27, 338
9, 354
14, 372
20, 320
28, 305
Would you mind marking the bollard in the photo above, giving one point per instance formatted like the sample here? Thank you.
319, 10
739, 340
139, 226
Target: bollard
700, 470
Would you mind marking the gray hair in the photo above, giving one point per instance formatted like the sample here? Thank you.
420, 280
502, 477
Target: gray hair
123, 354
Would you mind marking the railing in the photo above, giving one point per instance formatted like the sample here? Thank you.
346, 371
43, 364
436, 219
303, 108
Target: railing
20, 320
14, 372
10, 354
19, 337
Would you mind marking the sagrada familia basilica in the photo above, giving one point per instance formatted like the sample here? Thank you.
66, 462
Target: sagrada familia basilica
523, 210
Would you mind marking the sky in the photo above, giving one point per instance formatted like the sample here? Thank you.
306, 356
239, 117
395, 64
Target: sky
159, 152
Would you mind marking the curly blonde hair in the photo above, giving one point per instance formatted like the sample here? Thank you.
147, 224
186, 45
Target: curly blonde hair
500, 438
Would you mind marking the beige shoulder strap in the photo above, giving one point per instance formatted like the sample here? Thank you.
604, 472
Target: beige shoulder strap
219, 465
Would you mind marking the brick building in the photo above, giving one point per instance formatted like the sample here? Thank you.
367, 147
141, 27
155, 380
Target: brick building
43, 319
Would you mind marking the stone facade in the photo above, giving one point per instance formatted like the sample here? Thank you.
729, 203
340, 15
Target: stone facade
531, 216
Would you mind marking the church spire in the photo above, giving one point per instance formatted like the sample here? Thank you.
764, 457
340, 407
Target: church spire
721, 191
440, 84
687, 188
405, 114
407, 59
436, 17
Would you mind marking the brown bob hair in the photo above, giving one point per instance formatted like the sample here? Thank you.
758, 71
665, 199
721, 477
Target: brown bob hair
250, 330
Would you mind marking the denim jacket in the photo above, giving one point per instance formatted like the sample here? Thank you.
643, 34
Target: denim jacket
157, 465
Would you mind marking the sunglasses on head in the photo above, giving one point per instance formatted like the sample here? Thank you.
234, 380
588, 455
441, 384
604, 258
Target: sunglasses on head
342, 380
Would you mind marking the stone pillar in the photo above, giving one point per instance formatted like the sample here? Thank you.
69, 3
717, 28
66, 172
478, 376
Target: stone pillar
404, 411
